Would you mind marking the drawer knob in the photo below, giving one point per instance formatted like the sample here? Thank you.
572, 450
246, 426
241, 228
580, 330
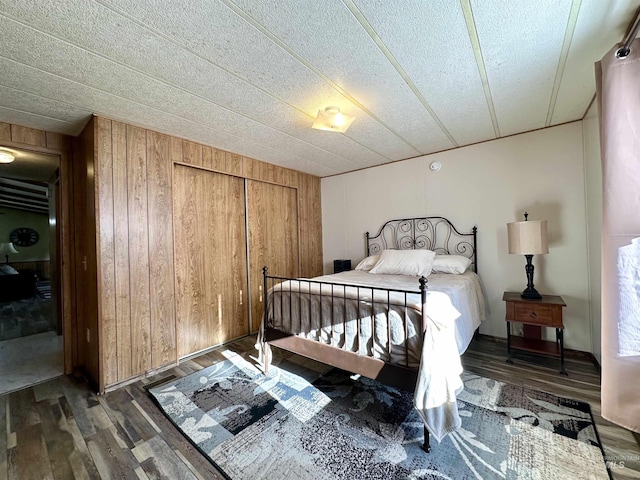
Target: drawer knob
532, 314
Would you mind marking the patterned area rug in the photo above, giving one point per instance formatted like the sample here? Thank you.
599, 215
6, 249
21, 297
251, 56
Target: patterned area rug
29, 316
282, 426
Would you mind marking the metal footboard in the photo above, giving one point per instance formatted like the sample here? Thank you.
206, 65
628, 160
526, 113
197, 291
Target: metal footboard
351, 308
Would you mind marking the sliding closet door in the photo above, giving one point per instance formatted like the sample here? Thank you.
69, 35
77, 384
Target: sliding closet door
210, 258
273, 238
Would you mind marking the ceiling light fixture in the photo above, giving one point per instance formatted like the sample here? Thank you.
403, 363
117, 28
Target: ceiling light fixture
332, 120
6, 157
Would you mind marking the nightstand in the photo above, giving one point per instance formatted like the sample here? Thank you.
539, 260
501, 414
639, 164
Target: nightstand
535, 314
341, 265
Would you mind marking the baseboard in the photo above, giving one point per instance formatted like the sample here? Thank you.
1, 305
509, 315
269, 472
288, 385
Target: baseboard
167, 366
148, 373
568, 353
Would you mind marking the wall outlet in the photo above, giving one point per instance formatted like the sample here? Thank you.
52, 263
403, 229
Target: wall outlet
88, 336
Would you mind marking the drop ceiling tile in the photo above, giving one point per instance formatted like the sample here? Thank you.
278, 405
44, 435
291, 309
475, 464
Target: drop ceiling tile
521, 42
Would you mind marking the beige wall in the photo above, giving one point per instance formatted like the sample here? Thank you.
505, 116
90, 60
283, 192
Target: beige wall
487, 185
593, 185
11, 219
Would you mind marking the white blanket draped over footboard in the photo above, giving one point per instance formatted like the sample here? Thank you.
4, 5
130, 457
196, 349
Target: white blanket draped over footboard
380, 324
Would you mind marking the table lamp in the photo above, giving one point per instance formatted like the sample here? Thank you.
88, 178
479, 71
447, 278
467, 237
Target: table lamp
6, 249
528, 238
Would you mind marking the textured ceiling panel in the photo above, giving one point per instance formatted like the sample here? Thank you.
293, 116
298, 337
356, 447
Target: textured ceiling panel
433, 48
597, 30
159, 58
67, 61
327, 36
22, 117
115, 107
247, 52
248, 76
17, 99
521, 57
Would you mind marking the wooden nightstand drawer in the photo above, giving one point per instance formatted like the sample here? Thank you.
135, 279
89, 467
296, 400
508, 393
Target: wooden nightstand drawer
545, 313
535, 314
538, 314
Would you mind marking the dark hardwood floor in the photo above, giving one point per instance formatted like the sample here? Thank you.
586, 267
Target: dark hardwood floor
61, 430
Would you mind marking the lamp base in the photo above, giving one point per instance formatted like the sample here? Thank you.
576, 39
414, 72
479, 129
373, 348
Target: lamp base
531, 293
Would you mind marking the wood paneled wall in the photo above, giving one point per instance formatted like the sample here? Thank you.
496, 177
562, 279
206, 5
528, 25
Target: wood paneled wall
137, 324
25, 137
135, 250
62, 270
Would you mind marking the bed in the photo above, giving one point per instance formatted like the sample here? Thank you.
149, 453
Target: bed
397, 318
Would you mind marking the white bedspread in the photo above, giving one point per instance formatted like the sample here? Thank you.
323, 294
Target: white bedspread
455, 308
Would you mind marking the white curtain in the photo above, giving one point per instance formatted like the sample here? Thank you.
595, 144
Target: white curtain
618, 93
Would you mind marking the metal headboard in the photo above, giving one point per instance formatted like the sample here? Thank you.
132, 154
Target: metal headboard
430, 233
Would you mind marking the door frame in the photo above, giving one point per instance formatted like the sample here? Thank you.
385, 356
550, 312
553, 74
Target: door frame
65, 260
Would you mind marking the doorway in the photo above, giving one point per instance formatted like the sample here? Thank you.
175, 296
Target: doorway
31, 342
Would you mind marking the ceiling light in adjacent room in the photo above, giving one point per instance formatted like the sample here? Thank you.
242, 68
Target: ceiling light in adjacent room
332, 120
6, 157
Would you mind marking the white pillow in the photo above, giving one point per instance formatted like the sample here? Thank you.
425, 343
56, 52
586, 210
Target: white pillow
368, 263
7, 270
404, 262
455, 264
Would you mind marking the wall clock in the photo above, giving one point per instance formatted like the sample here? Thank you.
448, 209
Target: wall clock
24, 236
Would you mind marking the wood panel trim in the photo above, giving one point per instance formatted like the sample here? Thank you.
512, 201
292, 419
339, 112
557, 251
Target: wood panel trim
28, 136
105, 251
5, 132
192, 153
123, 360
138, 249
35, 138
161, 260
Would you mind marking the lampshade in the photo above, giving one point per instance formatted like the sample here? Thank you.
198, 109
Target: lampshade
528, 238
7, 248
332, 120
